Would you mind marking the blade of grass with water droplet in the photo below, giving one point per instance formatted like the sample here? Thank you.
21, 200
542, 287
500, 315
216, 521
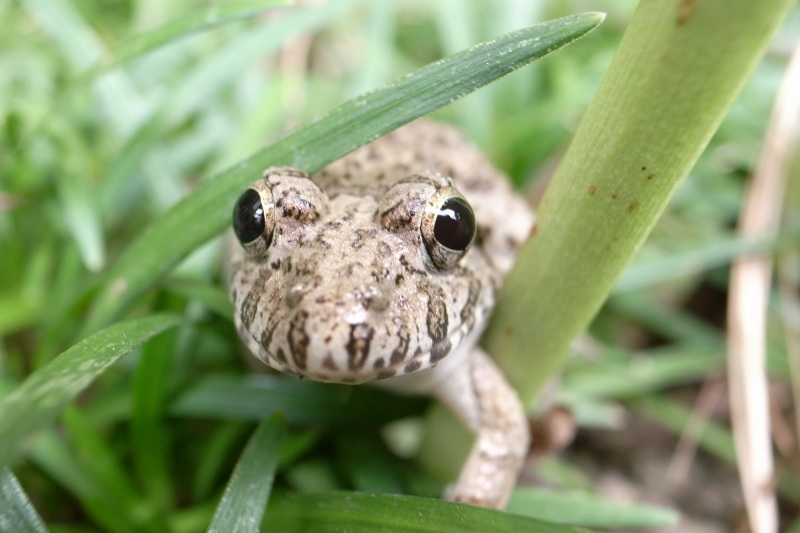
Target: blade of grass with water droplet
47, 392
16, 510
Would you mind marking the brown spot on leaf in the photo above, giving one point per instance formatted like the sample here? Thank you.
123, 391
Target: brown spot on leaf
684, 12
592, 189
632, 207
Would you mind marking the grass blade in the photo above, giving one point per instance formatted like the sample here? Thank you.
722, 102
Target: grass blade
246, 495
190, 23
206, 212
302, 402
360, 512
58, 460
585, 509
16, 511
48, 391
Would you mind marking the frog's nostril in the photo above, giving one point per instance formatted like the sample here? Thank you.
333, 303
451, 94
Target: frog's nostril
371, 298
377, 303
296, 293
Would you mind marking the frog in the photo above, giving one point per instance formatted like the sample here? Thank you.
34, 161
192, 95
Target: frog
383, 268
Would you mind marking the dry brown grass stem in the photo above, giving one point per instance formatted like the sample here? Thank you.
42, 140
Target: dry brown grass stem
708, 401
747, 306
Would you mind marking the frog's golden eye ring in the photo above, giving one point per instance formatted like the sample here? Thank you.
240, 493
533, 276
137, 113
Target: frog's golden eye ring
253, 219
448, 227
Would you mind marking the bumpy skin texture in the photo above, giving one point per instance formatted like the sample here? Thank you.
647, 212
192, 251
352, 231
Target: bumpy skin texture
348, 288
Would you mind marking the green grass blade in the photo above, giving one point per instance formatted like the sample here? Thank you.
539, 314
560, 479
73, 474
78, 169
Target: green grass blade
16, 510
681, 264
206, 212
96, 458
190, 23
224, 67
584, 509
652, 370
302, 402
149, 435
57, 459
675, 74
45, 393
710, 436
368, 513
245, 498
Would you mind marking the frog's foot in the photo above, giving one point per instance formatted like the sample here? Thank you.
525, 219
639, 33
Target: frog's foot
479, 395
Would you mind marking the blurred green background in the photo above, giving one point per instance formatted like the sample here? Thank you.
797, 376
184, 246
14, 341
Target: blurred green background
110, 111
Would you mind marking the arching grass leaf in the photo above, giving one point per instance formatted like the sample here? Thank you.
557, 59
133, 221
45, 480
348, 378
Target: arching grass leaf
40, 398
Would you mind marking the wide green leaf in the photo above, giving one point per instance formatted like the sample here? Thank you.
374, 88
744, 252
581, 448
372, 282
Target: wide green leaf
245, 498
369, 513
206, 211
48, 391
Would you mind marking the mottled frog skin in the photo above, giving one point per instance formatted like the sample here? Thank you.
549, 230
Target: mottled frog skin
375, 269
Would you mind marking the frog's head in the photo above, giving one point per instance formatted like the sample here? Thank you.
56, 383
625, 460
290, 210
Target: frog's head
354, 288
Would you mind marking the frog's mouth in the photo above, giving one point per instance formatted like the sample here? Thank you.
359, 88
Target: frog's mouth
360, 360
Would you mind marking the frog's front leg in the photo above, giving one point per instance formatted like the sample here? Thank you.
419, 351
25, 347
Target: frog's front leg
479, 395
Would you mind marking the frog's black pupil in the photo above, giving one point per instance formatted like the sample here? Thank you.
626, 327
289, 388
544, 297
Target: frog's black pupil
248, 217
455, 224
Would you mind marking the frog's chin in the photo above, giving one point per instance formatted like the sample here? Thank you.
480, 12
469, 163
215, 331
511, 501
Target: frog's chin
443, 354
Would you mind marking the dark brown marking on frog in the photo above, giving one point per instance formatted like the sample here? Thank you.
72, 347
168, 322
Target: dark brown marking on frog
329, 363
298, 338
440, 349
436, 318
293, 205
399, 216
251, 302
358, 345
412, 366
266, 337
467, 313
401, 351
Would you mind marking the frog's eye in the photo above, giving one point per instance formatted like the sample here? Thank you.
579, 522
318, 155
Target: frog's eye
253, 220
448, 227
